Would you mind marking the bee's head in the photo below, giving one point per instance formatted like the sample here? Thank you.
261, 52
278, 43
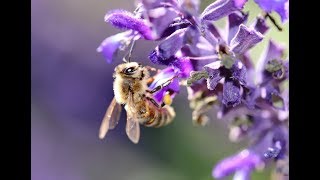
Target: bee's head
129, 69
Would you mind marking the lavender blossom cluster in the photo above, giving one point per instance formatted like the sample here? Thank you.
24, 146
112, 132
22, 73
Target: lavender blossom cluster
215, 66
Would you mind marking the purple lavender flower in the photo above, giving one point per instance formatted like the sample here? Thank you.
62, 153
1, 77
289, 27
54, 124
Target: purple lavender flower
260, 25
266, 125
110, 45
231, 67
126, 20
241, 163
160, 78
150, 20
234, 77
221, 8
269, 140
271, 65
187, 41
216, 66
244, 39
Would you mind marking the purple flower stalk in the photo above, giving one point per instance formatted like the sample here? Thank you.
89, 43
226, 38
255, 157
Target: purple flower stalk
215, 65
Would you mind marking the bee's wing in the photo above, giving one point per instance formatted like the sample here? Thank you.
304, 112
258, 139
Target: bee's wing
111, 118
132, 126
131, 106
115, 116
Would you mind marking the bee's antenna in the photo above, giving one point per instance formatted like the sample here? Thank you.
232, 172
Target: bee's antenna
131, 49
130, 52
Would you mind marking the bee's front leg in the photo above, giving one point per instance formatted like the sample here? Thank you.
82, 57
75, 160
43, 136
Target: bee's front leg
153, 101
150, 80
165, 84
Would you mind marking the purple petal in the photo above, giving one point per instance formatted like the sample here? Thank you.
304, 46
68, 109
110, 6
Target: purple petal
272, 143
264, 141
221, 8
169, 46
161, 18
191, 7
281, 140
199, 86
245, 39
213, 70
286, 67
285, 95
177, 23
191, 36
260, 25
251, 94
110, 45
162, 77
210, 37
125, 20
198, 65
260, 124
243, 174
244, 159
239, 72
195, 44
268, 92
214, 30
279, 6
274, 151
283, 114
231, 93
200, 50
273, 51
151, 4
234, 21
183, 65
155, 58
247, 61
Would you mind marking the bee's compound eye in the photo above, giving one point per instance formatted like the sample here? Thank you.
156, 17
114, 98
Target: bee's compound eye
129, 70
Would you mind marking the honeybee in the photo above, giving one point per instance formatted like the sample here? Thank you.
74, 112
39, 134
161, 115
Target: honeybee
131, 89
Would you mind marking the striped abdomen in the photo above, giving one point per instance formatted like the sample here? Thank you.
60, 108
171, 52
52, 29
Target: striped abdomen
156, 116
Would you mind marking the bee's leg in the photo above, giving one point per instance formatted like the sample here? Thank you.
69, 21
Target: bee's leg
153, 101
149, 68
150, 80
165, 84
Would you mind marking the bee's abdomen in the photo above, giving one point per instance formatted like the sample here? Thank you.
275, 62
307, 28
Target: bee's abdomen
158, 117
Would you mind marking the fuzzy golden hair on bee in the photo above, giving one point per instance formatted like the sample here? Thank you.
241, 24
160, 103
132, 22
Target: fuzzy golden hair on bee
131, 78
131, 89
